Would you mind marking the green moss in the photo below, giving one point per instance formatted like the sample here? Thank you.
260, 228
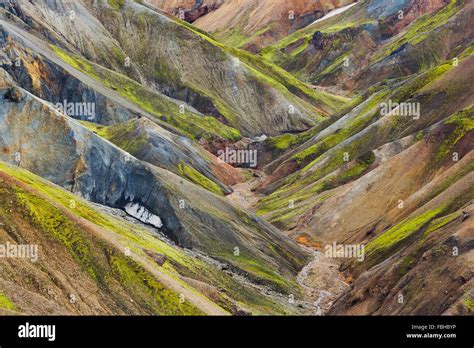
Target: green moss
278, 78
400, 232
406, 264
282, 142
354, 172
204, 127
338, 23
301, 47
450, 180
278, 205
298, 192
331, 140
408, 89
286, 218
463, 123
336, 64
150, 292
51, 220
345, 25
438, 223
262, 273
194, 176
116, 4
74, 62
469, 304
6, 303
419, 135
235, 37
124, 137
374, 102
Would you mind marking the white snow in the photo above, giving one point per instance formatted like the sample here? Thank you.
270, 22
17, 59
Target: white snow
142, 214
260, 138
335, 12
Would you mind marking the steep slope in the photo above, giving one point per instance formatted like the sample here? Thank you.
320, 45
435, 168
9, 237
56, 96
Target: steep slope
56, 81
343, 151
249, 24
119, 266
106, 280
373, 41
146, 141
432, 246
68, 154
185, 65
390, 182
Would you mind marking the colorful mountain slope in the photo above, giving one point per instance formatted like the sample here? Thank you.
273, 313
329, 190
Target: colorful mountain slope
361, 120
249, 24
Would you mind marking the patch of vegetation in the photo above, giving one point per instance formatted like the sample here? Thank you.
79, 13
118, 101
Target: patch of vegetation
301, 47
6, 303
279, 77
469, 303
419, 136
400, 232
331, 140
51, 220
116, 4
463, 123
362, 163
196, 177
282, 142
124, 136
406, 265
236, 38
336, 64
151, 293
280, 199
262, 274
338, 23
408, 89
438, 223
285, 141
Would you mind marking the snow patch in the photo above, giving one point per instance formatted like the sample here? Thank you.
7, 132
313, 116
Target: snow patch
334, 13
141, 213
260, 138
